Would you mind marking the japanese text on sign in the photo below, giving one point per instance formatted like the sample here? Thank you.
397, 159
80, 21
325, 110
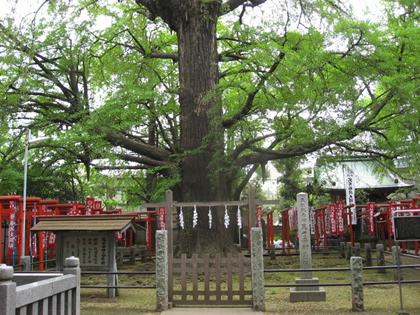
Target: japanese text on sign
92, 250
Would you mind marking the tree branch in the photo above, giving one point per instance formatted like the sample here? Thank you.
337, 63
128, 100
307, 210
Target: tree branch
150, 151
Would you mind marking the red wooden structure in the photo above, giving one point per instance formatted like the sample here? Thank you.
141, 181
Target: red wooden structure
334, 219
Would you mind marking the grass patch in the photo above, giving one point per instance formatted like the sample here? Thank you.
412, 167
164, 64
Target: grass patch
378, 299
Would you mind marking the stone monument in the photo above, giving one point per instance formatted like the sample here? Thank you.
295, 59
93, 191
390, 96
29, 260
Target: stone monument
311, 292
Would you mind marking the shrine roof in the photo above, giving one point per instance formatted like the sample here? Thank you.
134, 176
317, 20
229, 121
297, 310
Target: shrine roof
56, 223
366, 176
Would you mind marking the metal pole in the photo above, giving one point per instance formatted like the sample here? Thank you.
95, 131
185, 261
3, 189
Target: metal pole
401, 311
25, 174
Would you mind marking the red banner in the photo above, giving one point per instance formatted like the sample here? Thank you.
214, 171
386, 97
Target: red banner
34, 246
333, 220
259, 217
371, 211
73, 210
51, 239
11, 239
390, 218
89, 205
340, 218
162, 218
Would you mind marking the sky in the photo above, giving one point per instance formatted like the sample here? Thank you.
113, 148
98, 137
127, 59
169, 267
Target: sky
362, 8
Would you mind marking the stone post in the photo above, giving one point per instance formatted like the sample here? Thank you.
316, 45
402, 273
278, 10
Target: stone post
305, 293
26, 263
162, 301
368, 254
356, 266
257, 267
132, 260
342, 253
357, 249
305, 254
7, 291
273, 252
143, 253
397, 261
348, 250
380, 257
72, 267
120, 256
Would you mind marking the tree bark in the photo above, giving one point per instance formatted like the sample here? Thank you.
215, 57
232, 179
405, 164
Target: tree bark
201, 129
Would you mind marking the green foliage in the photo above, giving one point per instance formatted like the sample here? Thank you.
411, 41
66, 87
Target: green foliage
310, 79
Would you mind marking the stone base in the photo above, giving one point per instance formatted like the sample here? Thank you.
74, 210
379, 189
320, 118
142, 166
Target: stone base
309, 293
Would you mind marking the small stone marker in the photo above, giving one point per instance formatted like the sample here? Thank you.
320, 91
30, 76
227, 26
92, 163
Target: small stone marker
305, 293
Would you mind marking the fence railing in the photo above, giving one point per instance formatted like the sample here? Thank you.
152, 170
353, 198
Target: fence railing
285, 285
49, 293
354, 254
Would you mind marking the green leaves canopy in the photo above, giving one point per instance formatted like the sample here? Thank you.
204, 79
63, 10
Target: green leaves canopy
311, 79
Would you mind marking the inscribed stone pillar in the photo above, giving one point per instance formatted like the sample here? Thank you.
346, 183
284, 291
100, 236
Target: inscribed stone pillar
162, 270
307, 289
257, 266
304, 235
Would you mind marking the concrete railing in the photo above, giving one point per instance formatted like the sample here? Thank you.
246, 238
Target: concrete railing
26, 293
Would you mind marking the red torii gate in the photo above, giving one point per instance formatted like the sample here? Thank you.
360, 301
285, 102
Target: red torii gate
285, 228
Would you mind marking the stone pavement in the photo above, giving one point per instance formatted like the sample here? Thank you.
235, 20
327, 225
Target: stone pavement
214, 311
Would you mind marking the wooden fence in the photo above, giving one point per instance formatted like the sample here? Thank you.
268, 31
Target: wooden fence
212, 280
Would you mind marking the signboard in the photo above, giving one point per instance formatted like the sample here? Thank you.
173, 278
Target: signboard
92, 249
350, 194
407, 228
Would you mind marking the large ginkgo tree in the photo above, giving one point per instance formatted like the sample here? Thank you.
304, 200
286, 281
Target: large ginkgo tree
197, 95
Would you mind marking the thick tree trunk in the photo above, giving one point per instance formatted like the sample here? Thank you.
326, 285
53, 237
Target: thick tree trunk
201, 131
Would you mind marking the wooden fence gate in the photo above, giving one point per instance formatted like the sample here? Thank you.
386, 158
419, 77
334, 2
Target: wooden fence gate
215, 281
